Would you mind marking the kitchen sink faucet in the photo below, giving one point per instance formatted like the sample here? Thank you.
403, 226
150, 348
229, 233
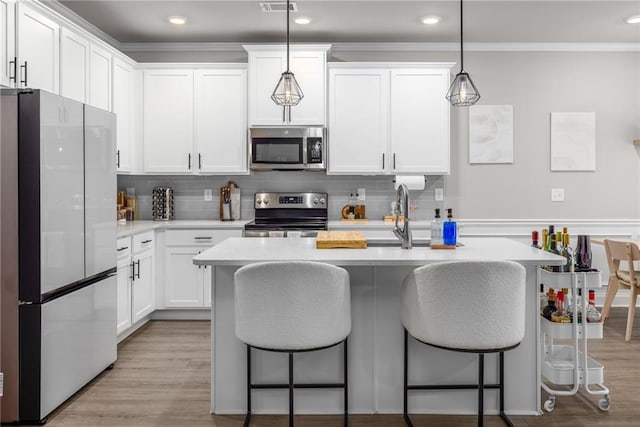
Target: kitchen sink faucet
404, 233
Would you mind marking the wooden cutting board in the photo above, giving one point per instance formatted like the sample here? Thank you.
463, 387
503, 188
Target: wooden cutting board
340, 239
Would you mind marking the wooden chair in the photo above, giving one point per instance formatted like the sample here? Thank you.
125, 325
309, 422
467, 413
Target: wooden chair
622, 251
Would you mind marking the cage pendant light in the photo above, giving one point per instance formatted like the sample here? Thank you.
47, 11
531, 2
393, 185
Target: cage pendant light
462, 91
287, 91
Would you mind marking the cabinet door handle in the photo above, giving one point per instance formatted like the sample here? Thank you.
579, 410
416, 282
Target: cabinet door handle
123, 248
394, 161
138, 275
133, 271
13, 64
199, 161
189, 161
24, 67
146, 241
118, 158
199, 252
203, 238
382, 160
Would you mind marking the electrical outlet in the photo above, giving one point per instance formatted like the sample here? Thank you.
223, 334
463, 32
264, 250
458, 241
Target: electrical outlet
208, 194
557, 194
362, 193
439, 194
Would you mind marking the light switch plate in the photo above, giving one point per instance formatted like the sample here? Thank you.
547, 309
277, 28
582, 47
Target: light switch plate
362, 193
439, 194
208, 194
557, 194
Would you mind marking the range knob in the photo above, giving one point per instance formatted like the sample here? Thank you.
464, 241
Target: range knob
265, 201
259, 201
315, 200
322, 201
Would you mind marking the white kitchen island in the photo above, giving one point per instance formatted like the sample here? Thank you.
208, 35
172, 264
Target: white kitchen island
375, 343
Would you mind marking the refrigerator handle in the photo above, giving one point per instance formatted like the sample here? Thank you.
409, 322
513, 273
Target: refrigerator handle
13, 64
138, 275
25, 74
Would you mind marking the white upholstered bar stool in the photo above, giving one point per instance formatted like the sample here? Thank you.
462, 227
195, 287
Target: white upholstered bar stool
465, 306
291, 307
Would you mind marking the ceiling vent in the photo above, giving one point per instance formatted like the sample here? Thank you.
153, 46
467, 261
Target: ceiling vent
278, 6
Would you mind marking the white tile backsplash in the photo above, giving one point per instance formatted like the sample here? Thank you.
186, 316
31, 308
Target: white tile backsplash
190, 204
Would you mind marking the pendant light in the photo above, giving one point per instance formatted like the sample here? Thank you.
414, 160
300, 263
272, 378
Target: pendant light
287, 91
462, 91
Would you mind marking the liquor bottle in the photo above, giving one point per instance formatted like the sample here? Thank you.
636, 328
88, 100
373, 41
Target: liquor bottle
534, 239
593, 315
551, 304
583, 253
575, 311
543, 298
543, 242
560, 316
567, 252
449, 229
554, 250
436, 229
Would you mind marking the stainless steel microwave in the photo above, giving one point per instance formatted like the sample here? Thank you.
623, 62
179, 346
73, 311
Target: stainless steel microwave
287, 148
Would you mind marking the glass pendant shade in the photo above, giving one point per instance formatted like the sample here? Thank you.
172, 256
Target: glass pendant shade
462, 92
287, 91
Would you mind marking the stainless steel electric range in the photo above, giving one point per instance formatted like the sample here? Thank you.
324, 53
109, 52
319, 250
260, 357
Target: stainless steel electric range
288, 215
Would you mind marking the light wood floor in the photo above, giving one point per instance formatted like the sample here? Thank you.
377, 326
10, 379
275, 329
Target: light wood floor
161, 378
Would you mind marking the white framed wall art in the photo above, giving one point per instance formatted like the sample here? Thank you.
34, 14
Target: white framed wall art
573, 141
490, 134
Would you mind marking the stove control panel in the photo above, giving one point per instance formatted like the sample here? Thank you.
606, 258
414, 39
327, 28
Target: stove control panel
290, 201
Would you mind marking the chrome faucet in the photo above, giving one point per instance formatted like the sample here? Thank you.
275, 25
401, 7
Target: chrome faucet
402, 200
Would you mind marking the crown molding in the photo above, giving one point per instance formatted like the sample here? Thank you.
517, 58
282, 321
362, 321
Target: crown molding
398, 47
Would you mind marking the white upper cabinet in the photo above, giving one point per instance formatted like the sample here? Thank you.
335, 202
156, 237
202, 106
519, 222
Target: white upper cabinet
168, 121
388, 118
308, 63
220, 128
123, 107
100, 78
38, 50
195, 120
420, 121
358, 120
7, 43
74, 66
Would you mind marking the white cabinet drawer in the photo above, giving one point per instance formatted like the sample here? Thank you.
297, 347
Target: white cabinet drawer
123, 248
143, 241
199, 237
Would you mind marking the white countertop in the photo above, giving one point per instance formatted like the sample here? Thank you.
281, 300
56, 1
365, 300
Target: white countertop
374, 224
240, 251
134, 227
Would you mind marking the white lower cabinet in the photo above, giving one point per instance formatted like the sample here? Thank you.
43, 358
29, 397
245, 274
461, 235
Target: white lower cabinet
136, 279
188, 285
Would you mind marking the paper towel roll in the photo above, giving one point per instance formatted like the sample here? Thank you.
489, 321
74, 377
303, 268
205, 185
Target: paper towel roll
413, 182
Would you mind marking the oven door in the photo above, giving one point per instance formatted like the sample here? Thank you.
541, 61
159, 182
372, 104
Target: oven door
268, 153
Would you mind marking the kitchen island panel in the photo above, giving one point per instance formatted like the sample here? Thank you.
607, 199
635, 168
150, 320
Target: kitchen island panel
376, 340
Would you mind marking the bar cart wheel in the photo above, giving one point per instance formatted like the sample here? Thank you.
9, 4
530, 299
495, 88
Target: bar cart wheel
550, 403
604, 403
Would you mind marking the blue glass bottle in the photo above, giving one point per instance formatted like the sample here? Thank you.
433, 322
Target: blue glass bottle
449, 229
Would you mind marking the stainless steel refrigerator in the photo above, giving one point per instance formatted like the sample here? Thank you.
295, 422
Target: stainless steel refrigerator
58, 249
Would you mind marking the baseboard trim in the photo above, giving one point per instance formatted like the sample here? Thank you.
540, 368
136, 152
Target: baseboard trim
182, 314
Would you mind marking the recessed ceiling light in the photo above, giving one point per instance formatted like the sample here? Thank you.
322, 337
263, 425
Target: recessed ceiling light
302, 20
633, 19
177, 20
430, 20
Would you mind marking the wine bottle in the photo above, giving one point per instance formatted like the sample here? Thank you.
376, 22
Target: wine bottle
567, 252
554, 250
